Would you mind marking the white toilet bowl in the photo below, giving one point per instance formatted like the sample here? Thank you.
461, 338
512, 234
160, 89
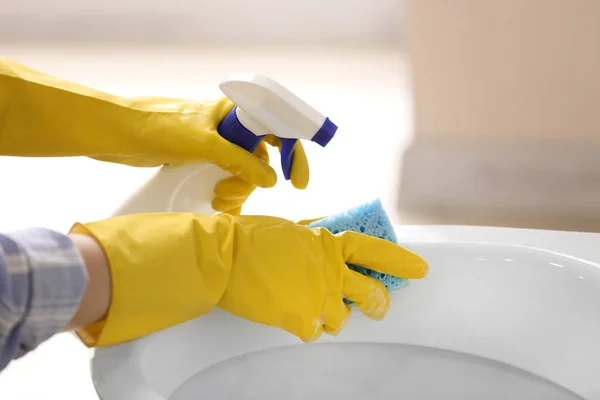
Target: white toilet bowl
502, 315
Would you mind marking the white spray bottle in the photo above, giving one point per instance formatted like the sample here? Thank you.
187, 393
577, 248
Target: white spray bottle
263, 107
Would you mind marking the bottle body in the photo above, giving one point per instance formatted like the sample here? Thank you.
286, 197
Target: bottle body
184, 188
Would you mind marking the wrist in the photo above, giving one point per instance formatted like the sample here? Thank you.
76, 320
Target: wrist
165, 269
97, 296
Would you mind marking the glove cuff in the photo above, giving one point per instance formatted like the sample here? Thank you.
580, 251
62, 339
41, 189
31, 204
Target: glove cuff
165, 269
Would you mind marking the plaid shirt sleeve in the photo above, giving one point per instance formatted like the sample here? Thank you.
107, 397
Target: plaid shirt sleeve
42, 280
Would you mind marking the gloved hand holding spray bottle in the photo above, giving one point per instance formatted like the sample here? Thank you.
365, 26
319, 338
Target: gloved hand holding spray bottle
263, 107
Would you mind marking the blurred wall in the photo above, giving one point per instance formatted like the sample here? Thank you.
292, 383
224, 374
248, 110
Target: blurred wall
261, 22
506, 113
510, 67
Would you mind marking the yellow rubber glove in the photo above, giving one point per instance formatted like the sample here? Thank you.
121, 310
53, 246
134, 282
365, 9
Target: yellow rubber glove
169, 268
231, 193
44, 116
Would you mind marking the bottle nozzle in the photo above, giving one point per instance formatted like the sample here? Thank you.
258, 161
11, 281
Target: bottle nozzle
326, 133
263, 106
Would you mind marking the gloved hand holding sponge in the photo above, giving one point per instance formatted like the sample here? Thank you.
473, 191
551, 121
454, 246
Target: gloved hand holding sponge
167, 268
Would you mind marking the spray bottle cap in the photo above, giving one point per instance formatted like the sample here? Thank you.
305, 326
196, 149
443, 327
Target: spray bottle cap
263, 106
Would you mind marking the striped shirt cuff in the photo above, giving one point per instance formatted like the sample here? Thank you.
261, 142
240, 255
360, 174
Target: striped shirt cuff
48, 278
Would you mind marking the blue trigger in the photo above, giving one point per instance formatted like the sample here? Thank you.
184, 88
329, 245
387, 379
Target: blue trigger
233, 131
287, 156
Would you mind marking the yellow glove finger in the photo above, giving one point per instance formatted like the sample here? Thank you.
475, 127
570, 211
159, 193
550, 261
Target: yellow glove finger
300, 174
261, 152
305, 332
335, 315
306, 222
233, 189
250, 167
235, 211
369, 295
381, 256
230, 194
225, 205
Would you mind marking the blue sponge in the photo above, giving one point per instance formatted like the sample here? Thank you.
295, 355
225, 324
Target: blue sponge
370, 219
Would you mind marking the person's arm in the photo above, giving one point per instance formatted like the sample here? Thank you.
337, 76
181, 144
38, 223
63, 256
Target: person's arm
96, 298
44, 288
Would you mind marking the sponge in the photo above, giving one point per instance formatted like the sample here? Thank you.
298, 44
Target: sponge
369, 219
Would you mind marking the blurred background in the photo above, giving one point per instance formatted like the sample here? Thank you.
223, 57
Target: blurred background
454, 112
481, 112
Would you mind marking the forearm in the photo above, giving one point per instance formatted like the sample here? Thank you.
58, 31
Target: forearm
43, 278
42, 115
96, 298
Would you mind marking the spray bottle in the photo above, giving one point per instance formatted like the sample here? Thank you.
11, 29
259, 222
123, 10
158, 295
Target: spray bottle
263, 107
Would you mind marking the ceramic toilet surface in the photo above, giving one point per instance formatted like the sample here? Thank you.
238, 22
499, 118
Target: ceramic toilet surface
492, 320
365, 371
